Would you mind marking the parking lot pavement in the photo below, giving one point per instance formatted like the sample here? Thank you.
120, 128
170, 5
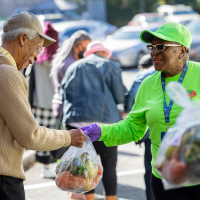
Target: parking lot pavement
128, 76
130, 172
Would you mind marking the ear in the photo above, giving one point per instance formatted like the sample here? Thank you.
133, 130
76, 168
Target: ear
183, 51
22, 39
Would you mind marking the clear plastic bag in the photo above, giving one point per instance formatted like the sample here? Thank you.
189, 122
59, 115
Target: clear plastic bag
79, 170
178, 158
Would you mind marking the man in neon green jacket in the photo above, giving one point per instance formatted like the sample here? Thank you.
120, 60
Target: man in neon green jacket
169, 47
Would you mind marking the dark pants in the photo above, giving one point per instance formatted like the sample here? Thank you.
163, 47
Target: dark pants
44, 157
148, 169
147, 164
108, 157
11, 188
184, 193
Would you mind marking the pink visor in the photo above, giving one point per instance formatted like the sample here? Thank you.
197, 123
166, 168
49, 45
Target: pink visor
95, 47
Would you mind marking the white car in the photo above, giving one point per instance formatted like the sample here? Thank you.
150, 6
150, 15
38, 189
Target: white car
53, 18
66, 29
180, 12
194, 29
126, 46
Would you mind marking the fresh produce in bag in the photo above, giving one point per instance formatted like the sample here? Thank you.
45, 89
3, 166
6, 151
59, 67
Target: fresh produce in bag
178, 158
79, 169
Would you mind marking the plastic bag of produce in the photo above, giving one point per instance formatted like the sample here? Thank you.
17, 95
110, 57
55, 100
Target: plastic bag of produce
178, 158
79, 170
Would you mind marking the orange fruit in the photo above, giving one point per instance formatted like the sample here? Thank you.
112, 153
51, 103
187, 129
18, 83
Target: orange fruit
68, 181
175, 171
100, 170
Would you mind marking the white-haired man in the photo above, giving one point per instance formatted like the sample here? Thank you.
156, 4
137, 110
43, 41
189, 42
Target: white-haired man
23, 39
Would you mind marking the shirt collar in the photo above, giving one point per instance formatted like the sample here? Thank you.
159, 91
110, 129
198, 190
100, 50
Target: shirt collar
8, 56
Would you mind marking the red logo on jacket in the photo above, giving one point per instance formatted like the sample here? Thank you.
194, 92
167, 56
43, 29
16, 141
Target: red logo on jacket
192, 93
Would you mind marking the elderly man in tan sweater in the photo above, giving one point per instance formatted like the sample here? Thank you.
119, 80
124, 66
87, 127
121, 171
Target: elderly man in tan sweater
23, 40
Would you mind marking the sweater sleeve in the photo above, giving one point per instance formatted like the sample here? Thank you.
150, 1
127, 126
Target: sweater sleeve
131, 129
16, 112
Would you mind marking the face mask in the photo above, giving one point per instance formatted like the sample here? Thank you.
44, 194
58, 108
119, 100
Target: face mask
80, 55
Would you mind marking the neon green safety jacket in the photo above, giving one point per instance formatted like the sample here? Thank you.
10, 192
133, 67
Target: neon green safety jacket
148, 111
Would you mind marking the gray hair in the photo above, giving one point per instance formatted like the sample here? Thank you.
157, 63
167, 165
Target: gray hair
66, 48
11, 35
187, 56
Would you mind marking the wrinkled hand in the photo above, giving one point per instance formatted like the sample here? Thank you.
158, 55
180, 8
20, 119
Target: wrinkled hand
77, 137
93, 131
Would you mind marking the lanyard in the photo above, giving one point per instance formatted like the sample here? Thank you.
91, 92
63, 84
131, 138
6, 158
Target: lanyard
168, 109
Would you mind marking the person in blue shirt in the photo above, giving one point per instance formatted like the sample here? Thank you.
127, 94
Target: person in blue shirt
146, 69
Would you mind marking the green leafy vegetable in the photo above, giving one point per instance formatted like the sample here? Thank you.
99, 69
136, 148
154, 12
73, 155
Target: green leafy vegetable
82, 170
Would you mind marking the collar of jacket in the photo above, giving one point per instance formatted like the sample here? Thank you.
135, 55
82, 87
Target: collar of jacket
94, 54
8, 56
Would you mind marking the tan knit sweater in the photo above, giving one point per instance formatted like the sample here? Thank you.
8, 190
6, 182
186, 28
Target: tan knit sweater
18, 128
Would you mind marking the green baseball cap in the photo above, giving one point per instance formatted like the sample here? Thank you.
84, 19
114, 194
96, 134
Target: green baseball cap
171, 31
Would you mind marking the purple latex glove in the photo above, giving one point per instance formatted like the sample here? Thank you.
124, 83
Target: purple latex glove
93, 131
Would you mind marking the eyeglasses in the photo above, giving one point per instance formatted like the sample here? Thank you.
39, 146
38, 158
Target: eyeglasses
160, 47
40, 49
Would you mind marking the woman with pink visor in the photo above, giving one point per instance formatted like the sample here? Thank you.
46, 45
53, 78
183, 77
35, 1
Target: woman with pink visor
90, 90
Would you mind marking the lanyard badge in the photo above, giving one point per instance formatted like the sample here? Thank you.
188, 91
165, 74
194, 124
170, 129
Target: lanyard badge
167, 109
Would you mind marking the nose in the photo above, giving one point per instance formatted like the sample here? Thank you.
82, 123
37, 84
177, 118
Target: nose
155, 51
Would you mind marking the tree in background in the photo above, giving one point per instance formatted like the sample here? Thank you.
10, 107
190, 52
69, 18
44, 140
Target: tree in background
195, 4
81, 5
120, 12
